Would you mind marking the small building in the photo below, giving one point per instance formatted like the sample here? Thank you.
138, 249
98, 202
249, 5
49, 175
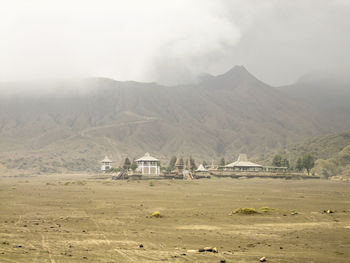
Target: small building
148, 165
242, 164
201, 169
106, 164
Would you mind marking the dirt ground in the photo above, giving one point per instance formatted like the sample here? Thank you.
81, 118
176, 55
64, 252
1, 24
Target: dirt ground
77, 218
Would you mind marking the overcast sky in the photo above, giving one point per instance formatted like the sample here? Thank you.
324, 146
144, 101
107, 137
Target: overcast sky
172, 41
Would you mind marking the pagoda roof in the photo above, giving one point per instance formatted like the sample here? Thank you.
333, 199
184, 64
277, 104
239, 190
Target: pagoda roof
106, 160
243, 162
147, 158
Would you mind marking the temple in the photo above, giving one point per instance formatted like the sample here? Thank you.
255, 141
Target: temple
148, 165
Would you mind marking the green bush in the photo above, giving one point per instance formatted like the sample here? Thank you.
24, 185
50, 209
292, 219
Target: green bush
245, 211
266, 209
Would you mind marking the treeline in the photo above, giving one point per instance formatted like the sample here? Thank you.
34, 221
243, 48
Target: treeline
304, 162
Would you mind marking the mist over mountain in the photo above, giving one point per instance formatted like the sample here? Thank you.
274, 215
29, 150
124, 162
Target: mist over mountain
219, 116
324, 89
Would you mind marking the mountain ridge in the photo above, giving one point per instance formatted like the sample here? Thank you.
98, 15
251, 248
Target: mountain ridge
230, 113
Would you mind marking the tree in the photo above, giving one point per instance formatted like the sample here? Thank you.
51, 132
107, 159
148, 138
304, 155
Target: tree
308, 162
133, 166
222, 162
285, 163
299, 164
280, 161
191, 164
277, 160
205, 163
172, 163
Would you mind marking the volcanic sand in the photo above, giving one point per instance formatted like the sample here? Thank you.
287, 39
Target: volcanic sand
79, 218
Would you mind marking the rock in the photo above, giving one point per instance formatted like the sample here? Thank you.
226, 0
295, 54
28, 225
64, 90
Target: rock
208, 249
222, 261
330, 211
192, 251
140, 246
263, 259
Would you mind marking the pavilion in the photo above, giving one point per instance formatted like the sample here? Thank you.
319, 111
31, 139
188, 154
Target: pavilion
148, 165
106, 164
242, 164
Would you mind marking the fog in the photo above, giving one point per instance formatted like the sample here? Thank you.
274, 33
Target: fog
172, 42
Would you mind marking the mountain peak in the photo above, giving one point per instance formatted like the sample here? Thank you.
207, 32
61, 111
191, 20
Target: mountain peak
232, 78
237, 69
238, 72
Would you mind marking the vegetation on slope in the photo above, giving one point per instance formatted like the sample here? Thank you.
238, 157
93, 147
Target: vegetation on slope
331, 152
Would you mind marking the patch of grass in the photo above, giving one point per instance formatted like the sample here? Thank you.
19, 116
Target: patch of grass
266, 209
151, 183
245, 211
156, 214
66, 183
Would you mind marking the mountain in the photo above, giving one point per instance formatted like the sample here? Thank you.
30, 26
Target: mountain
323, 89
71, 125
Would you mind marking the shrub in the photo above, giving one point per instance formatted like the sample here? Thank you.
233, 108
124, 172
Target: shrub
151, 183
266, 209
156, 214
245, 211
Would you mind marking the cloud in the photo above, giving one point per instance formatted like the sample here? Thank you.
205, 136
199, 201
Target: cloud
170, 41
119, 39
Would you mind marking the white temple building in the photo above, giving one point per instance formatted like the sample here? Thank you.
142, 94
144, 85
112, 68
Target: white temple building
106, 164
148, 165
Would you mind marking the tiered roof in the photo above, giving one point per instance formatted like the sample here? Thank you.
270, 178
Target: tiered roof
147, 158
242, 161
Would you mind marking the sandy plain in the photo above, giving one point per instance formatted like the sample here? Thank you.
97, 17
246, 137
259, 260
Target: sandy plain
78, 218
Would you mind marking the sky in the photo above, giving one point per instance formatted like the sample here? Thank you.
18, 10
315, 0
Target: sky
172, 41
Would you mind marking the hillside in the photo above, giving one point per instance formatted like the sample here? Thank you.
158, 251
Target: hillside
72, 125
331, 152
323, 89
